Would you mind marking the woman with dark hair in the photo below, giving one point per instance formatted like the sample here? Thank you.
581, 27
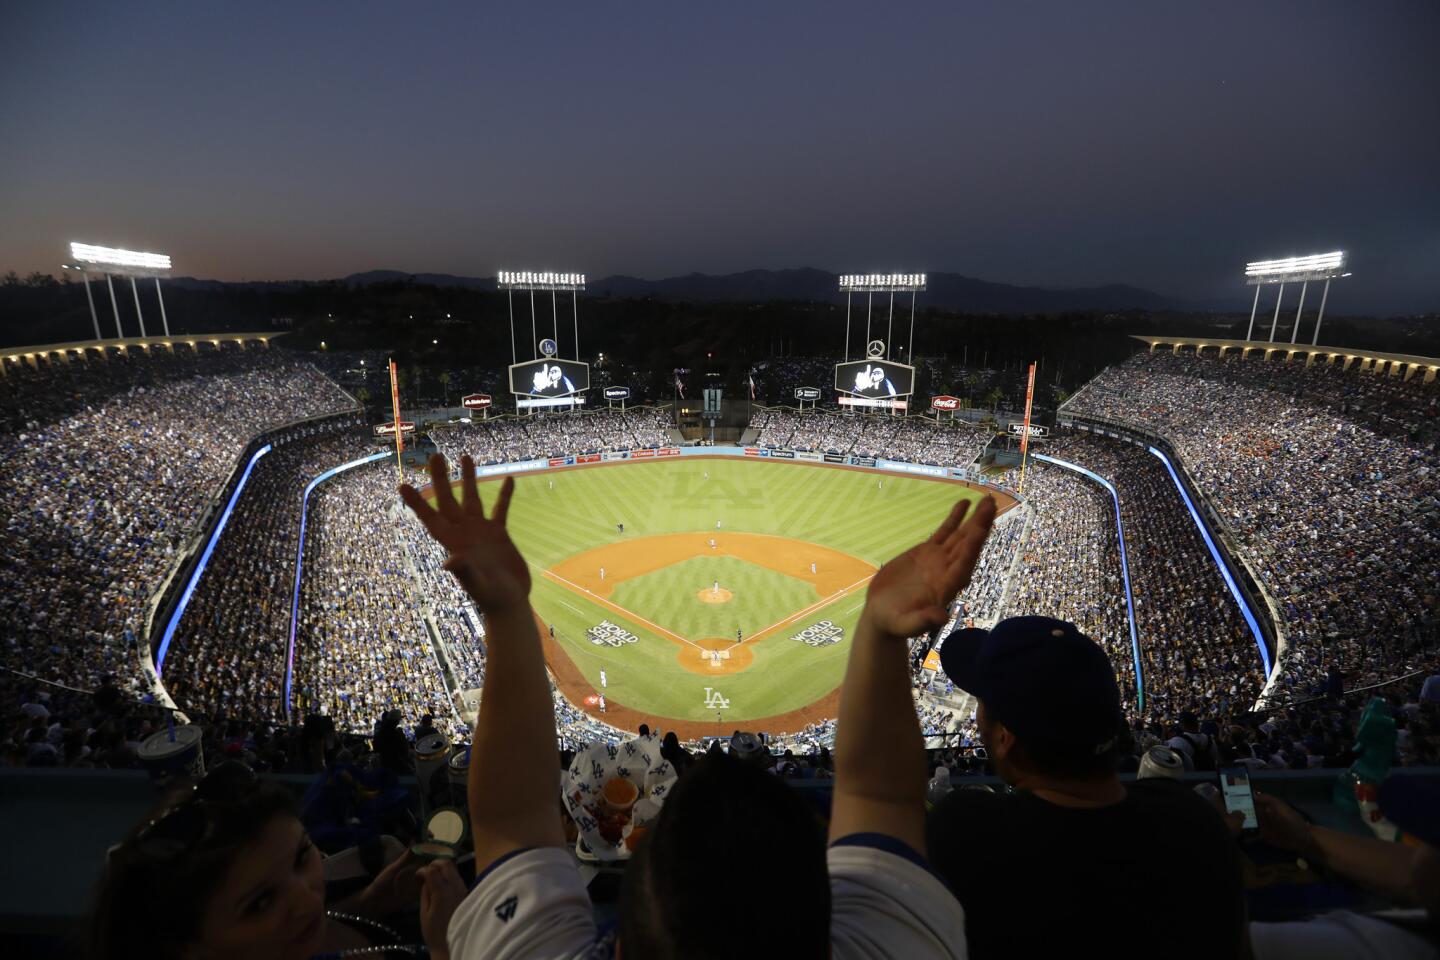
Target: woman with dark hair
226, 869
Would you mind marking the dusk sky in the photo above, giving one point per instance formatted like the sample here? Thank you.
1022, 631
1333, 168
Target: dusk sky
1055, 144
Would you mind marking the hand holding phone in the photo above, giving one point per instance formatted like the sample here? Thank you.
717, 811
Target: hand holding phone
1235, 789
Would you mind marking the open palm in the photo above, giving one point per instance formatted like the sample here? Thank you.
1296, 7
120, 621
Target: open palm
910, 593
482, 556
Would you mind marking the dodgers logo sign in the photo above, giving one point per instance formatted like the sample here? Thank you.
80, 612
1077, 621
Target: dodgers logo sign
714, 701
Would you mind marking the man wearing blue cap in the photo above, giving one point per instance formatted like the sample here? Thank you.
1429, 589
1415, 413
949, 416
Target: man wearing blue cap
1060, 864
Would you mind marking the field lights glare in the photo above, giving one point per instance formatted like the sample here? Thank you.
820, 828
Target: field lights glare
112, 257
1319, 263
882, 281
543, 278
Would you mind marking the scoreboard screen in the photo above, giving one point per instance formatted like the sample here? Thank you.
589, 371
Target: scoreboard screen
549, 377
875, 378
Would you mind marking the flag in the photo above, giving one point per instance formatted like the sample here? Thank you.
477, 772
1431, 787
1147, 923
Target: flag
679, 387
752, 386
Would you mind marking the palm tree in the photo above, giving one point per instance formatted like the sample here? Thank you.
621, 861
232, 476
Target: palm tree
995, 396
445, 385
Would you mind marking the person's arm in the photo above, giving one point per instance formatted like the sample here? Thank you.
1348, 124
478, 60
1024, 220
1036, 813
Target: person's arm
880, 769
514, 778
1384, 868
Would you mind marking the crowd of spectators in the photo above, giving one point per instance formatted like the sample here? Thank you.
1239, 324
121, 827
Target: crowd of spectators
505, 439
1070, 564
227, 655
1325, 481
1197, 653
913, 439
361, 644
108, 466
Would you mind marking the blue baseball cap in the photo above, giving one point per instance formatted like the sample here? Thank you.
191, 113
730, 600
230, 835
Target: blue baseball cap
1041, 678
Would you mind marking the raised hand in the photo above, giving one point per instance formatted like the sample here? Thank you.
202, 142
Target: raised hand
910, 593
482, 556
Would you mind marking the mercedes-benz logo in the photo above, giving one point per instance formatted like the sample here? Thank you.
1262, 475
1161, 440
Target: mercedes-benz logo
548, 347
876, 348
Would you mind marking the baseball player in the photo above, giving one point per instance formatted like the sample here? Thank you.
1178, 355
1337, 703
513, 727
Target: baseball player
603, 682
602, 573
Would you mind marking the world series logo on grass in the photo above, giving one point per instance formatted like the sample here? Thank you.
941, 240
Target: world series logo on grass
820, 634
607, 634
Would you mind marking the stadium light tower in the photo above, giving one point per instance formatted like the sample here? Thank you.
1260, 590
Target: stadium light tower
126, 263
873, 283
1318, 266
512, 280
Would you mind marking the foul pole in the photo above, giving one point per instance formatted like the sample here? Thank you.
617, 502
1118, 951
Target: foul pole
395, 408
1025, 437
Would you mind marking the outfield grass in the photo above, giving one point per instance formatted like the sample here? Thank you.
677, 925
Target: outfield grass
557, 514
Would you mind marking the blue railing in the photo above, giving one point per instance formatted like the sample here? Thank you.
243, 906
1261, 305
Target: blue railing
300, 560
1235, 590
204, 559
1124, 569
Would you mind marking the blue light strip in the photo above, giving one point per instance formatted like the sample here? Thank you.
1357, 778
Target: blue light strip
1220, 563
1124, 569
204, 559
300, 560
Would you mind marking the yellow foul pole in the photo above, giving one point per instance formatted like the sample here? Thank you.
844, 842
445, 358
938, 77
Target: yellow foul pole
1025, 437
395, 407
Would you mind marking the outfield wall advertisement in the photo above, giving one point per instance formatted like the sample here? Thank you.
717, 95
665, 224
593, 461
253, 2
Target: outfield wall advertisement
613, 456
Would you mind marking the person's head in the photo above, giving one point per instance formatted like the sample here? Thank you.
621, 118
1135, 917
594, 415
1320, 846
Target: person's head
223, 869
721, 819
877, 376
553, 374
1049, 707
671, 742
644, 729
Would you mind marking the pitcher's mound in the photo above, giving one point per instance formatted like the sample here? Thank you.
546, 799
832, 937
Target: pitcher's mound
736, 657
709, 595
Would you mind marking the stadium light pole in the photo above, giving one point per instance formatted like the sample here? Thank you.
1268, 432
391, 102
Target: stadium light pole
1302, 270
138, 312
1324, 295
510, 295
111, 261
164, 320
873, 283
114, 308
90, 299
530, 281
1305, 285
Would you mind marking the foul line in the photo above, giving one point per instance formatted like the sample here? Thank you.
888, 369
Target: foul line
818, 604
758, 635
596, 598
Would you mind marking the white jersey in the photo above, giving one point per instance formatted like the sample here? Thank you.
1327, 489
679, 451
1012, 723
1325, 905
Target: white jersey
884, 903
603, 682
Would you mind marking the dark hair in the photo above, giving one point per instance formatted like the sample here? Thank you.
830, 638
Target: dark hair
644, 729
721, 819
125, 922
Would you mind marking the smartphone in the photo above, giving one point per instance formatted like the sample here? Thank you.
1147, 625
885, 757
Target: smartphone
1235, 788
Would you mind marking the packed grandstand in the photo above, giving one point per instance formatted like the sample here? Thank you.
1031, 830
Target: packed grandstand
326, 600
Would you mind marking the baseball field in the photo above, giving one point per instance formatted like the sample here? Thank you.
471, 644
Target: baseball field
730, 598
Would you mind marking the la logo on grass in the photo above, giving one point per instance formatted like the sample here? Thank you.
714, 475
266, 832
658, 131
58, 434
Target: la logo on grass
714, 701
